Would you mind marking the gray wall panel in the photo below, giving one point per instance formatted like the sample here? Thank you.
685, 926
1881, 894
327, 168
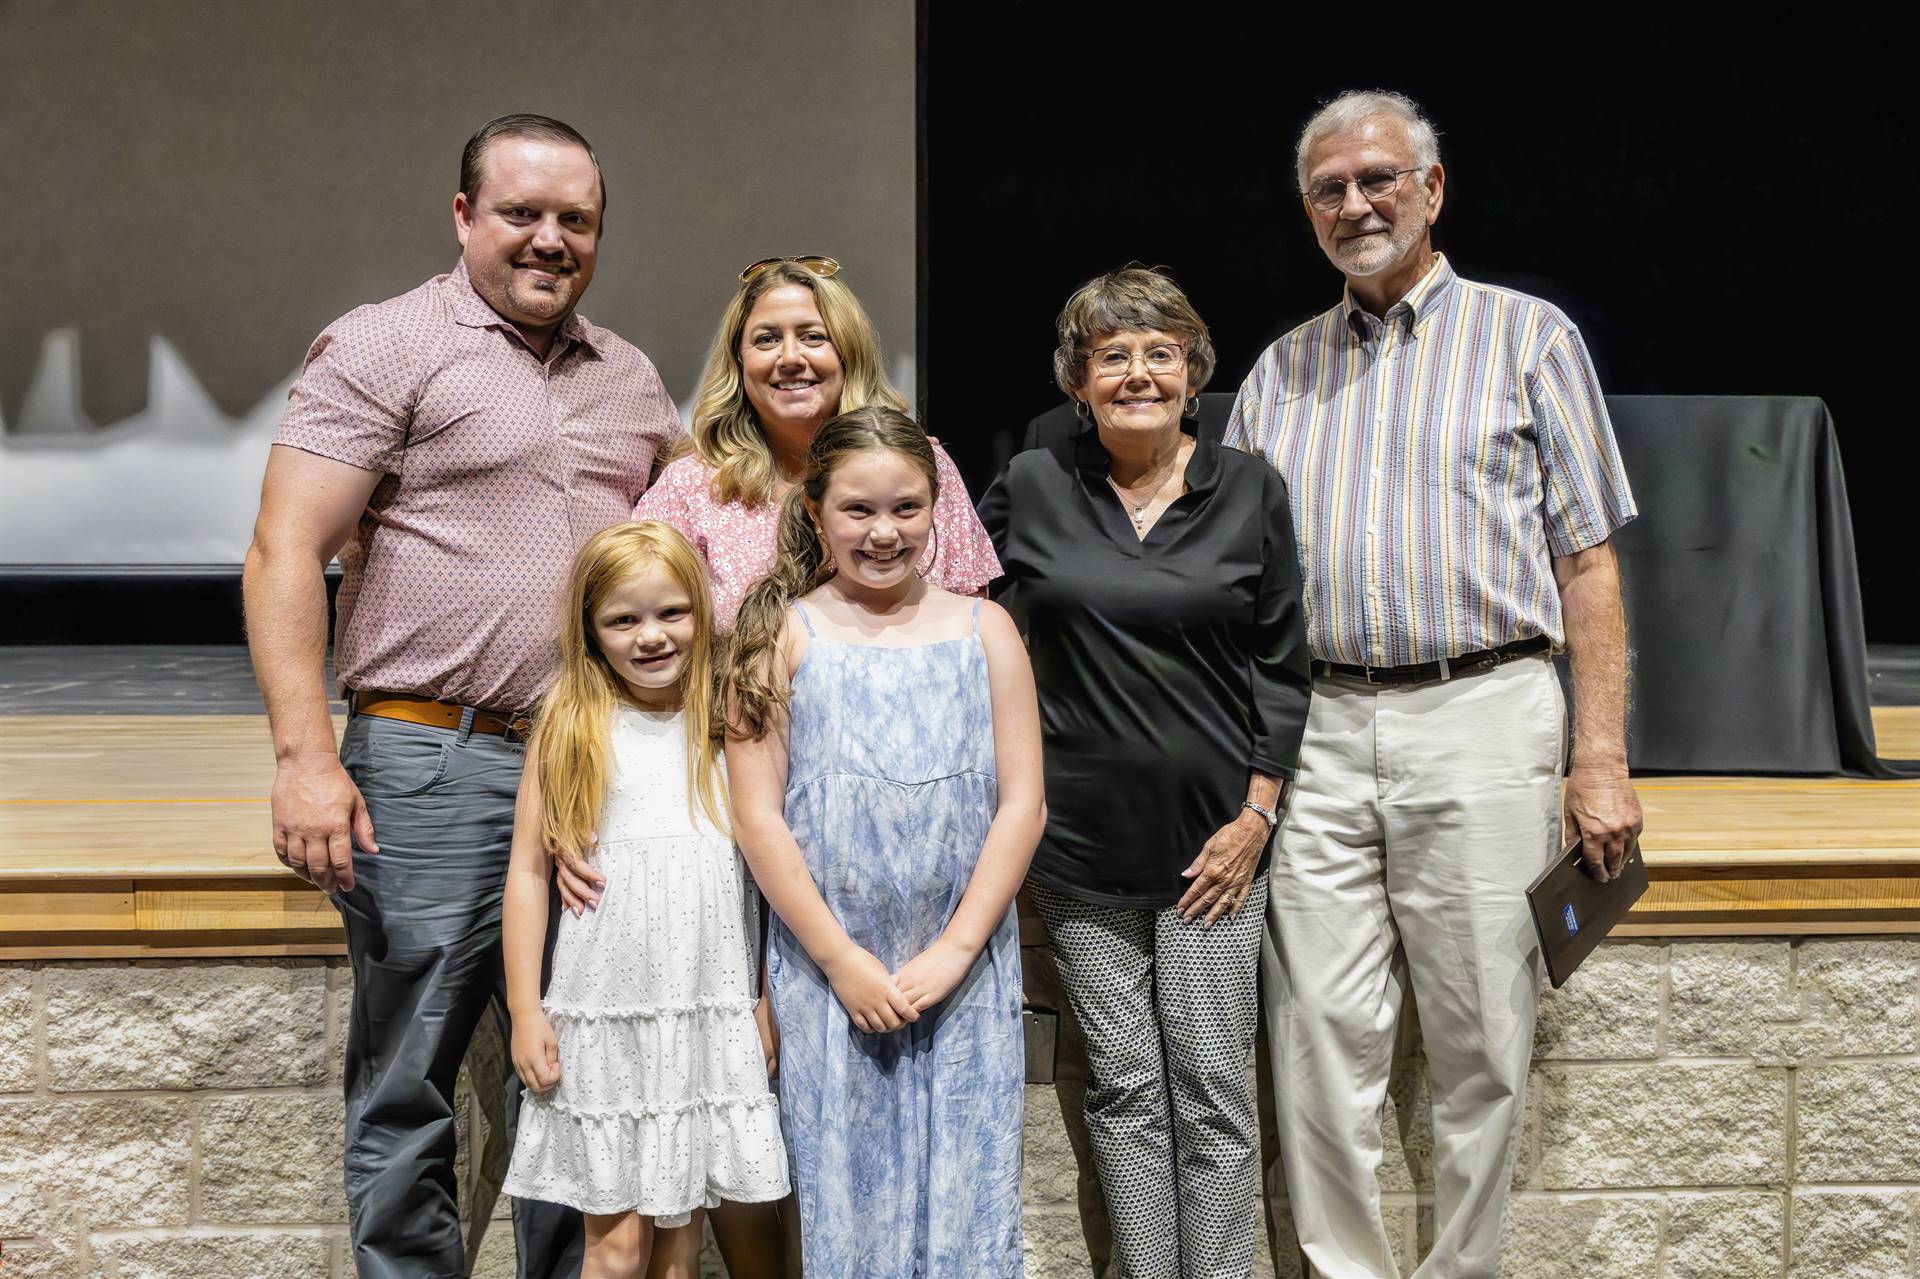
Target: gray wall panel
196, 189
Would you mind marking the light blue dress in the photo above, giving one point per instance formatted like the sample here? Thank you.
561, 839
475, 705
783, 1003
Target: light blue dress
906, 1145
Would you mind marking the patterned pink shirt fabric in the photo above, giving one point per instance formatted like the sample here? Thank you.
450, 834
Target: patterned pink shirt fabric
737, 540
498, 466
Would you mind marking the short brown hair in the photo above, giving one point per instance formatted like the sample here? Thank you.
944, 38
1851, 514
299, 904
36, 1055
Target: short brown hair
540, 128
1134, 299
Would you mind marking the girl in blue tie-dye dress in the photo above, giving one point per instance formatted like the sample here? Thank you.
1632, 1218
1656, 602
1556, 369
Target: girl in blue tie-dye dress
884, 754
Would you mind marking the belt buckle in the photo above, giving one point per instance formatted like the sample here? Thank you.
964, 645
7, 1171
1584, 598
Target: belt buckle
517, 728
1366, 673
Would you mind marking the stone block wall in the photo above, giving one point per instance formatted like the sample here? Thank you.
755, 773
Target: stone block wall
1741, 1109
1698, 1109
177, 1118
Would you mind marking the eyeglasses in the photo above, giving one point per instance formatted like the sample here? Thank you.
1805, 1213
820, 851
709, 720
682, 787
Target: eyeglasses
825, 268
1329, 194
1117, 361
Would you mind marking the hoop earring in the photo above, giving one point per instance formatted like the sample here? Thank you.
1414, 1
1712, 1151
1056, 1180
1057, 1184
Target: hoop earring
1081, 411
1192, 408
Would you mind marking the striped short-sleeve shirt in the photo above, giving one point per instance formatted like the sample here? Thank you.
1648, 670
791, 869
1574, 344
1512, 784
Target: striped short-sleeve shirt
1436, 461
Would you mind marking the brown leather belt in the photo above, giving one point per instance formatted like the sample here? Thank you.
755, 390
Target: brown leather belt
1430, 672
424, 710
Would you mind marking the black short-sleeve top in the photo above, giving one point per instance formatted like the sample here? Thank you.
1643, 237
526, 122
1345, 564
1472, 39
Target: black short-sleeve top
1168, 667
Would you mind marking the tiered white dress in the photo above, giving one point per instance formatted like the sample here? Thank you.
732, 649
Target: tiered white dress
662, 1105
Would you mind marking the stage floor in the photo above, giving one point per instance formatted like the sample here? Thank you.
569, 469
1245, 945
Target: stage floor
131, 766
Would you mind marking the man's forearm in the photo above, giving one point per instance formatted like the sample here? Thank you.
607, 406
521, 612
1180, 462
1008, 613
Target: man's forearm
286, 614
1596, 628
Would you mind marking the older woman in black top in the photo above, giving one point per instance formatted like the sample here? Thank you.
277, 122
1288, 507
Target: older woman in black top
1155, 577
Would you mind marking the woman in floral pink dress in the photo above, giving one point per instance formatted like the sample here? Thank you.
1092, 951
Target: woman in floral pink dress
794, 349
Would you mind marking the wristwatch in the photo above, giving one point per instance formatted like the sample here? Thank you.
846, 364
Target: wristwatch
1273, 818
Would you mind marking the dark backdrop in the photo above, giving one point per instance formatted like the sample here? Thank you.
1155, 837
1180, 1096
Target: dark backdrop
1720, 213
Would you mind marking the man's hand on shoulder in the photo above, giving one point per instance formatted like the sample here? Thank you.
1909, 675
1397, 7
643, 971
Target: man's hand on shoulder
317, 814
1602, 808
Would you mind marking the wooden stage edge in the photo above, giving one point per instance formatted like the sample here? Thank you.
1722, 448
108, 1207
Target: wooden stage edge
146, 837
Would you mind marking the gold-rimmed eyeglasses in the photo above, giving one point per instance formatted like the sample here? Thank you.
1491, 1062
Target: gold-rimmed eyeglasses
824, 267
1329, 194
1116, 361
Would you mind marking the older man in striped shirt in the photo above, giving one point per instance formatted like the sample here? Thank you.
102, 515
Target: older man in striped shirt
1454, 481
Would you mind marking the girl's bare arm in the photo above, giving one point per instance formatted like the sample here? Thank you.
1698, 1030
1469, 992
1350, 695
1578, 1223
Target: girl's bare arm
524, 927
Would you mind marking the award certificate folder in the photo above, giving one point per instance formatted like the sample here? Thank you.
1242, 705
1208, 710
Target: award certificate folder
1572, 911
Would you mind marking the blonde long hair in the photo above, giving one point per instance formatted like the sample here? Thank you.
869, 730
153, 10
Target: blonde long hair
571, 739
800, 563
726, 433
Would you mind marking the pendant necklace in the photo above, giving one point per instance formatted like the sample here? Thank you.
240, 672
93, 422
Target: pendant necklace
1137, 511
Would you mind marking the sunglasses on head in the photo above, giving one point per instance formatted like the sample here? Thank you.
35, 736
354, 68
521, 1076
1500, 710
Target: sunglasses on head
824, 267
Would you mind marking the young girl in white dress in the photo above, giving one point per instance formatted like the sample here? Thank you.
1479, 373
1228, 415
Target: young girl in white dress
646, 1061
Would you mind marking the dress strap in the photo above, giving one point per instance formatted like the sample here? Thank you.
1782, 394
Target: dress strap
805, 620
976, 615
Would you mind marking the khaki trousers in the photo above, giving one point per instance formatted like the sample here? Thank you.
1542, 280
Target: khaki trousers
1417, 820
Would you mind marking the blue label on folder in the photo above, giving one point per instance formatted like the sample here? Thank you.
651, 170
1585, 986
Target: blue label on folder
1573, 925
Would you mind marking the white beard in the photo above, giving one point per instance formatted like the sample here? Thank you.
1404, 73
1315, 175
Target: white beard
1377, 253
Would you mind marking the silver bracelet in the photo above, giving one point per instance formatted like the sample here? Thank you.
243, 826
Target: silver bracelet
1273, 818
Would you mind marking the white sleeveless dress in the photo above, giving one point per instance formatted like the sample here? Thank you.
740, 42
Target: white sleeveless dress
662, 1105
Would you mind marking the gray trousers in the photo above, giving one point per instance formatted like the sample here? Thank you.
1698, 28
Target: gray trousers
1170, 1010
423, 934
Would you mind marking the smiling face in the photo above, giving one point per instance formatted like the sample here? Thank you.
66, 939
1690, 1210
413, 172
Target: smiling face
877, 513
645, 628
1363, 237
530, 234
788, 364
1135, 400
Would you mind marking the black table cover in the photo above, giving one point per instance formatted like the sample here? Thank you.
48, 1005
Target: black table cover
1742, 592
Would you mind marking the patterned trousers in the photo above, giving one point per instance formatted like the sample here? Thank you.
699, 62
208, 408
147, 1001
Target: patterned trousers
1170, 1010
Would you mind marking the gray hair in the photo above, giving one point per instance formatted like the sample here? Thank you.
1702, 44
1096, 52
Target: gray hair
1357, 106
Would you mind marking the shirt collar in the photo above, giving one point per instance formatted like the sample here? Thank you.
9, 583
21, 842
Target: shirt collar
1422, 300
471, 310
1092, 459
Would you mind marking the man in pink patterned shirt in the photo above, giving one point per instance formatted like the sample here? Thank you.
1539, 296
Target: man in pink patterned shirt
454, 446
